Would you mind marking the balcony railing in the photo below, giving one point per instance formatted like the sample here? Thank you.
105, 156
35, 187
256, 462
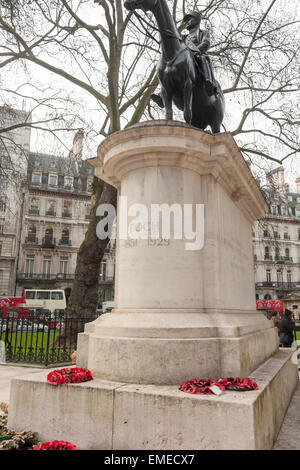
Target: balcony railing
58, 277
67, 214
36, 277
279, 285
61, 188
32, 240
65, 276
277, 259
283, 259
51, 213
33, 211
48, 242
63, 242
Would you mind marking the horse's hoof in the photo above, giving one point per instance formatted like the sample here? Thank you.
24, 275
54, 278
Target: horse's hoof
158, 100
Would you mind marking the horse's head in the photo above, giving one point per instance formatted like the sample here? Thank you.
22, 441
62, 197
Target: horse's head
140, 4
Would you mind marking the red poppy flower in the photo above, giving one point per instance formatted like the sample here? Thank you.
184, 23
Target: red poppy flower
230, 383
67, 376
55, 445
55, 378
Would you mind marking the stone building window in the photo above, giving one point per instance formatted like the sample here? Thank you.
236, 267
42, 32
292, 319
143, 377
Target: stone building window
51, 208
34, 206
2, 222
48, 240
65, 237
31, 235
47, 266
36, 178
67, 212
279, 276
49, 232
267, 253
286, 233
68, 182
52, 180
2, 203
29, 265
63, 265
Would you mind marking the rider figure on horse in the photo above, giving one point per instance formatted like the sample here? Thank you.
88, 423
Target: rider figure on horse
198, 42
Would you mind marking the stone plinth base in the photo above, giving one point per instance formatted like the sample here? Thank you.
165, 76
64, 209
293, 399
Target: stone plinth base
167, 348
117, 416
182, 309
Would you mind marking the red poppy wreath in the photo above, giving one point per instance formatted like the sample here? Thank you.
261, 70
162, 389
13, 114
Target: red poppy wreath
69, 376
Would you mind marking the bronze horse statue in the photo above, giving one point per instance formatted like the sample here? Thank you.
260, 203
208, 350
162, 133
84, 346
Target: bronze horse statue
179, 77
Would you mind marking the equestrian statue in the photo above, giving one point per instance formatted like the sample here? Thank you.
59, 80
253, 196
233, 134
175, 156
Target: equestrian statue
184, 71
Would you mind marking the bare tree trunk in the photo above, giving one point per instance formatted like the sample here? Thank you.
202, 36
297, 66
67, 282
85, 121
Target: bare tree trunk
83, 300
84, 295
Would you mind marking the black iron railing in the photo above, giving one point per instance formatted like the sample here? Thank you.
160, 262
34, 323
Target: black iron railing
49, 242
279, 285
39, 337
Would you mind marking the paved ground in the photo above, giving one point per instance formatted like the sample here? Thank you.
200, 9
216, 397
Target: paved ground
9, 372
289, 435
288, 438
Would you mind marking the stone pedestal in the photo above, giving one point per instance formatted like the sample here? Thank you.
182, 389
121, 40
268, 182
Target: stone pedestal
109, 415
180, 312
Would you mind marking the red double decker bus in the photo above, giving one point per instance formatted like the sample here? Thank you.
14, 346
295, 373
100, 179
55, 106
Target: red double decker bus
13, 302
270, 305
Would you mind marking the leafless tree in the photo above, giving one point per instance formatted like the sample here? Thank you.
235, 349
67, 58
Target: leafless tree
100, 49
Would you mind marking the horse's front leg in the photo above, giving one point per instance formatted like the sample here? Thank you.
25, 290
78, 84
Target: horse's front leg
188, 98
167, 99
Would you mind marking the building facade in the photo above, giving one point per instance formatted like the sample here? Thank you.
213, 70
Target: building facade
276, 241
14, 152
55, 220
45, 203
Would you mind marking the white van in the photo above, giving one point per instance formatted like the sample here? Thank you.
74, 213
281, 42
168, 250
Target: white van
47, 299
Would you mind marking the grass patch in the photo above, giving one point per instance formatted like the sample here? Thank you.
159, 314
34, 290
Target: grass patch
34, 347
30, 339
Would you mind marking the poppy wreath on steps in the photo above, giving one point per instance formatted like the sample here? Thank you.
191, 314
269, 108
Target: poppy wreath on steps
203, 386
69, 376
55, 445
